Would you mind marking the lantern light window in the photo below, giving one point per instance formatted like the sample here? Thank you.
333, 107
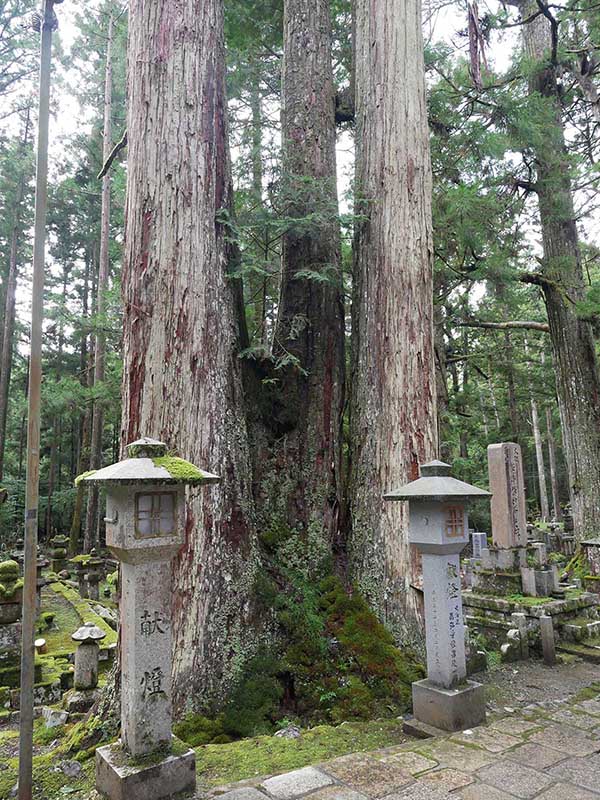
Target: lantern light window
155, 514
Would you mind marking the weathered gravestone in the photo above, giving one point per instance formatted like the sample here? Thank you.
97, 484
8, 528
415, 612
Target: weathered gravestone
479, 542
509, 523
145, 502
438, 526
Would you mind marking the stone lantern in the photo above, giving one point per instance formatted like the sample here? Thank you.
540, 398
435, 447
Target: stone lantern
58, 554
93, 574
438, 527
145, 505
86, 656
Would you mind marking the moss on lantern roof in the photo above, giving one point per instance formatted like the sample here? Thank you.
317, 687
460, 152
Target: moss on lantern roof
84, 475
180, 469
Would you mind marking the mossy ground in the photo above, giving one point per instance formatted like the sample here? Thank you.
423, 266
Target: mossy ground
267, 755
335, 662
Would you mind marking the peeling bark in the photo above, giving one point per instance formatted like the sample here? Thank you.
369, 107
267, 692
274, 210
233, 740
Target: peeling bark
393, 404
182, 380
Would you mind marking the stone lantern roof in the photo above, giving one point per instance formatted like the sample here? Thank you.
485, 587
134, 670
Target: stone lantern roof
148, 462
436, 483
88, 633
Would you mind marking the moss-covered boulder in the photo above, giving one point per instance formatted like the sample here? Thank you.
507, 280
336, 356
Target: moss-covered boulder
11, 591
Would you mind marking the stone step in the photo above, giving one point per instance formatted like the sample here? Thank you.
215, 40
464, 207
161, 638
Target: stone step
577, 631
586, 651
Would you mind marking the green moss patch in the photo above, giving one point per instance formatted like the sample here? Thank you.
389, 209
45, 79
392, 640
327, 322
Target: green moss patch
267, 755
84, 475
335, 662
85, 612
180, 469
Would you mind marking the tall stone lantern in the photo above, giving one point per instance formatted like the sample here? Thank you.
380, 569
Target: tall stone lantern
145, 504
438, 526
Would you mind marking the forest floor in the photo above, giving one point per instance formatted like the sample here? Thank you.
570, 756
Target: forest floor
542, 741
542, 720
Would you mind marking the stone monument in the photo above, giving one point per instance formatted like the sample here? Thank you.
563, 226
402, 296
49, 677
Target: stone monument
509, 522
438, 526
84, 694
145, 503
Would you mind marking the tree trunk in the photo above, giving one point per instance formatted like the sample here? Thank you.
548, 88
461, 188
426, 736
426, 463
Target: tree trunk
556, 510
562, 283
298, 466
539, 448
85, 379
393, 413
182, 375
8, 327
92, 516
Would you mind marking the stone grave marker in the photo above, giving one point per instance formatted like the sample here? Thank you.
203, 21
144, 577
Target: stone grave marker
509, 524
479, 542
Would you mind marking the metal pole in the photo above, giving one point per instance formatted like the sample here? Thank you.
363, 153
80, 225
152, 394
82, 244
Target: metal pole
47, 24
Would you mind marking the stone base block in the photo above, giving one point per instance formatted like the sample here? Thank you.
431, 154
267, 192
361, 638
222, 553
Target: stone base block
449, 709
120, 778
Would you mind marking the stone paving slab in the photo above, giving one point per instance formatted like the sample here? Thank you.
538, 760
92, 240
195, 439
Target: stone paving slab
583, 772
516, 779
481, 791
297, 783
411, 762
453, 754
572, 741
536, 755
367, 774
566, 791
494, 741
448, 779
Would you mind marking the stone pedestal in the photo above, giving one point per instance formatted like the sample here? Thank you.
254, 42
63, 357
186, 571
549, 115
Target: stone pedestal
449, 709
118, 779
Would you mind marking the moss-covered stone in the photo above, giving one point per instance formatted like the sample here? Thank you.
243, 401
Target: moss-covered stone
180, 469
84, 475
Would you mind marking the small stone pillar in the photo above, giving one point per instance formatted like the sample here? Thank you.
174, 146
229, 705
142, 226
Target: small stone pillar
93, 575
87, 655
438, 526
548, 642
145, 503
58, 554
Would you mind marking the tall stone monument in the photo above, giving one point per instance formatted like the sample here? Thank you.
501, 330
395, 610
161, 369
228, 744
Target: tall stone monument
145, 503
438, 526
509, 517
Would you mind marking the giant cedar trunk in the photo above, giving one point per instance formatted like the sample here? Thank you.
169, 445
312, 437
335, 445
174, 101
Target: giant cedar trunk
298, 463
576, 366
393, 414
181, 378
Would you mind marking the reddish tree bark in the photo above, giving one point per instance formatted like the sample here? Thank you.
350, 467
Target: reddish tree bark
182, 381
393, 405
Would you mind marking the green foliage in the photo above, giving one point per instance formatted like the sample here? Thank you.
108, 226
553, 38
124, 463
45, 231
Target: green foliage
335, 662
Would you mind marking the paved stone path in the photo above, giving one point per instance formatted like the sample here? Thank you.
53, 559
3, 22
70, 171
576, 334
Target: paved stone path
548, 751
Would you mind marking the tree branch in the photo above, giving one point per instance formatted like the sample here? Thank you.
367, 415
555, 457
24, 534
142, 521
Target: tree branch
120, 145
528, 325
